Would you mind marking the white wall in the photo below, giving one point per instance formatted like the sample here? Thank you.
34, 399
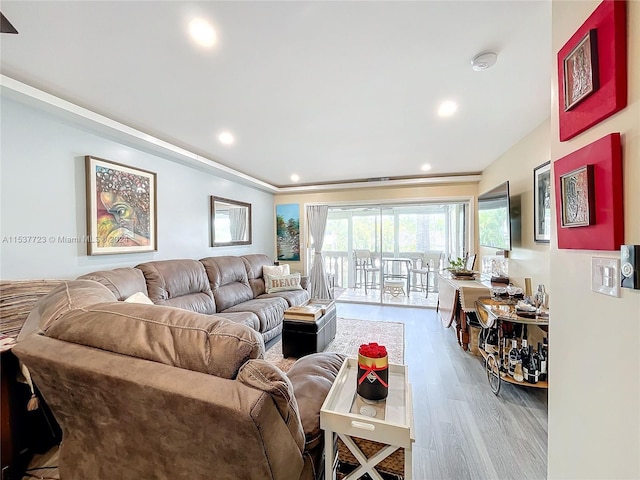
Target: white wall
594, 340
43, 194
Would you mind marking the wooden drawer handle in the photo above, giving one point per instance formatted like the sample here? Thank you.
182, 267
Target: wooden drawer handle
363, 426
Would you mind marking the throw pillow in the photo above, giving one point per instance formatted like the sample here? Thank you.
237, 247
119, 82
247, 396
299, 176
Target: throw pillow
139, 297
274, 283
276, 270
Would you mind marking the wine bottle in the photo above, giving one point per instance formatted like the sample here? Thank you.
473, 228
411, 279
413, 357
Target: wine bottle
536, 360
505, 354
524, 358
514, 357
531, 373
517, 372
544, 360
491, 342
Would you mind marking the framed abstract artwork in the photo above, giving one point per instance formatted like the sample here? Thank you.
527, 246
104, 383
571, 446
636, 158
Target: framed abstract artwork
542, 203
592, 70
576, 197
589, 198
121, 208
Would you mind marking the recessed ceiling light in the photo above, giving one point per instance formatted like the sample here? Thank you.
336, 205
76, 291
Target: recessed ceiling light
226, 138
447, 108
202, 32
426, 167
295, 178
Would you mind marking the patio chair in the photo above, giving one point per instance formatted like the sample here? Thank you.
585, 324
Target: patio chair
364, 263
427, 266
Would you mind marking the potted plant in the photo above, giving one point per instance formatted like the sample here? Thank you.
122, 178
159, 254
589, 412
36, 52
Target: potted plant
457, 267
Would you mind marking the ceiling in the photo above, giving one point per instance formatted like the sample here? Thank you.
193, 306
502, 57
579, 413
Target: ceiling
332, 91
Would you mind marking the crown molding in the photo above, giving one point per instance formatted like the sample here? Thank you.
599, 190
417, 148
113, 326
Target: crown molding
27, 94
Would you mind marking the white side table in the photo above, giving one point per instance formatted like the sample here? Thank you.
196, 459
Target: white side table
392, 425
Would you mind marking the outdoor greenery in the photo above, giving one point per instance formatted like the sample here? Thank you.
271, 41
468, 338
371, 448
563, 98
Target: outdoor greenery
495, 228
416, 233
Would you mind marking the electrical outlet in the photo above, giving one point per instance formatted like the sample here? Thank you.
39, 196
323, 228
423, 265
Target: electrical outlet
605, 276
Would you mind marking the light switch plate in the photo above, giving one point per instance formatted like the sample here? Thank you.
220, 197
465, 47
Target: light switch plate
605, 276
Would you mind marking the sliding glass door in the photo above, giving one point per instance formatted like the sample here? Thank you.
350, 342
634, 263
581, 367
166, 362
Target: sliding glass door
373, 253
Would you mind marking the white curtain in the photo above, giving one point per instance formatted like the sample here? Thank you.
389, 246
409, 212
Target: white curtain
317, 215
238, 223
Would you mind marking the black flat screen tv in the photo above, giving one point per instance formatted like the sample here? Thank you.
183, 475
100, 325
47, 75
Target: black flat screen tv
494, 218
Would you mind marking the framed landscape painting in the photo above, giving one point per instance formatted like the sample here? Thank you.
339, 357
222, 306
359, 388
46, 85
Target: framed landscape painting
121, 208
288, 232
542, 203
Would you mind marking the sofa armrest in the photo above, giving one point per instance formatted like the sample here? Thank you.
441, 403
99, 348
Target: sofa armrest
266, 377
312, 377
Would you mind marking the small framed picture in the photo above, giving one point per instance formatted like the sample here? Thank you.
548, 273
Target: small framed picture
542, 203
577, 197
121, 208
581, 71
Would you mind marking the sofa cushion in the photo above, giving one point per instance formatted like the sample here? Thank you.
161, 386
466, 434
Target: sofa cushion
312, 377
270, 311
282, 283
266, 377
179, 283
254, 264
173, 336
68, 295
249, 319
123, 282
292, 297
228, 278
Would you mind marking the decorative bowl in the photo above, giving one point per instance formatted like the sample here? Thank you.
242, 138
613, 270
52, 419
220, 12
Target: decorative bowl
462, 273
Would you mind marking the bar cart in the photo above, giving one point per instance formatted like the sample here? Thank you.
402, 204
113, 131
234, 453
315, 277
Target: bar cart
492, 314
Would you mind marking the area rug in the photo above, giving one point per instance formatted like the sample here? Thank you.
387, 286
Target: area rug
350, 334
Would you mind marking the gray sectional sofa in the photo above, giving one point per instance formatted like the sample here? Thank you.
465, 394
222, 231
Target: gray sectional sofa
178, 388
228, 286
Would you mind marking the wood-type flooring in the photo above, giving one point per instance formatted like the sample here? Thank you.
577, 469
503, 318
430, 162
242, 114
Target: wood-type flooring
463, 431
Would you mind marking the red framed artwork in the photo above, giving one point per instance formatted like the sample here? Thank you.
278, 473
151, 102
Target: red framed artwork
588, 186
576, 197
592, 70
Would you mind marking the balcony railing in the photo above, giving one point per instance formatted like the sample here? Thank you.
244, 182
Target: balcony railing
341, 269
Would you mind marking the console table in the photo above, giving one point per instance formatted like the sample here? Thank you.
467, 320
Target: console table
457, 297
